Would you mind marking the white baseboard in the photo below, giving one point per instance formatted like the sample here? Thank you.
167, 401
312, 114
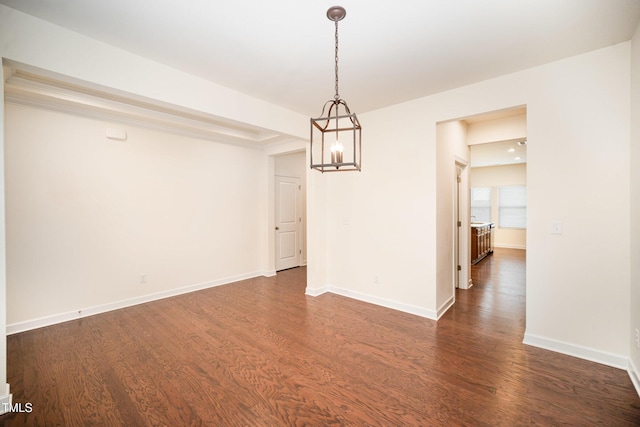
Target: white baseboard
446, 306
269, 273
634, 374
498, 245
383, 302
593, 355
27, 325
315, 292
5, 400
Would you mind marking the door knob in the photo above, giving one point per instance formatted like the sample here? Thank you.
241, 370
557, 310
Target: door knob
277, 228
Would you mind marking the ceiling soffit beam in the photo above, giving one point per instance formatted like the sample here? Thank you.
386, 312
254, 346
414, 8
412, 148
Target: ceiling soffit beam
37, 91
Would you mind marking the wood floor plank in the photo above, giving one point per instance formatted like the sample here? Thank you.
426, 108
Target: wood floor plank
261, 353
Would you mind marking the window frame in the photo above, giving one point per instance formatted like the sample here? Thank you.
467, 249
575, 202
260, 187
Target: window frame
516, 202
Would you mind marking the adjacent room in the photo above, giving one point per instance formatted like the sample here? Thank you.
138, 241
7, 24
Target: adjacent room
197, 230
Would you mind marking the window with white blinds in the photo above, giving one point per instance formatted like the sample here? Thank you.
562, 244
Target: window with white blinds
481, 204
512, 207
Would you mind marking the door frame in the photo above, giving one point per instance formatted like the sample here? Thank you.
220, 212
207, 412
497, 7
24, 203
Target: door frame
461, 243
272, 153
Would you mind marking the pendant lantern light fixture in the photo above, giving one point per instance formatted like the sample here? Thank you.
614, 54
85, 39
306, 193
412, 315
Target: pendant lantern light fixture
336, 136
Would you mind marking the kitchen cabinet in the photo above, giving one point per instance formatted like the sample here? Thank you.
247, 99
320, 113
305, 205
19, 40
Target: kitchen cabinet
481, 241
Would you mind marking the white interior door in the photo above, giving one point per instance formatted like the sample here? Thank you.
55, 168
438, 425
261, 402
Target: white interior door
288, 221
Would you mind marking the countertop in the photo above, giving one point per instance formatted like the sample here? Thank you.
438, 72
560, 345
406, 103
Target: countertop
481, 224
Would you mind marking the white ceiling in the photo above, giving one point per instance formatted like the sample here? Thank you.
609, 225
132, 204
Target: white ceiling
499, 153
282, 50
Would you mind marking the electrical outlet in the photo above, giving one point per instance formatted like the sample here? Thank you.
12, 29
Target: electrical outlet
143, 279
376, 279
637, 338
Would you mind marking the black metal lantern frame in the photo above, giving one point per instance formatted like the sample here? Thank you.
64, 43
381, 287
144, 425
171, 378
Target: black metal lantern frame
336, 138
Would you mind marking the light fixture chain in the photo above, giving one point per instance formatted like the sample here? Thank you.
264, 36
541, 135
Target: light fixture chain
337, 95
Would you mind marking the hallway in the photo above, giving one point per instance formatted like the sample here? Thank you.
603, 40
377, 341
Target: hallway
544, 387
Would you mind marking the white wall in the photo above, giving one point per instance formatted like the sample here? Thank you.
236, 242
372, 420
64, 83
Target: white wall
494, 177
451, 142
86, 216
578, 143
504, 129
635, 205
5, 394
385, 256
317, 266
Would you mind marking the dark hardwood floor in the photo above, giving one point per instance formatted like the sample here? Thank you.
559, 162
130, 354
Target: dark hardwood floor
261, 353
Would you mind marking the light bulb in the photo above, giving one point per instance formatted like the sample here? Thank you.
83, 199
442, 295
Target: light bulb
336, 152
